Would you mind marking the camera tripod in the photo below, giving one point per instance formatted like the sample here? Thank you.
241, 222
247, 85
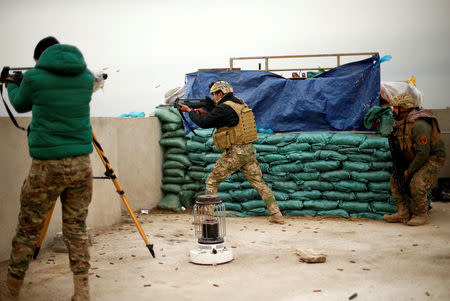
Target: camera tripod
109, 173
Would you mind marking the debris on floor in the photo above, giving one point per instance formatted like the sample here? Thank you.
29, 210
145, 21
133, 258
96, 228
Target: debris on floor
310, 256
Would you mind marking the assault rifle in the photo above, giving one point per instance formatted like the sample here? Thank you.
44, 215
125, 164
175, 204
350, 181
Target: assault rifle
399, 165
193, 103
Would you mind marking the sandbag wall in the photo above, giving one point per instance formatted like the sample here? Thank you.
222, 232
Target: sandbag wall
316, 173
181, 180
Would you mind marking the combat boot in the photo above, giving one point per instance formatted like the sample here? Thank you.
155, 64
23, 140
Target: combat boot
401, 216
421, 218
10, 290
81, 288
276, 216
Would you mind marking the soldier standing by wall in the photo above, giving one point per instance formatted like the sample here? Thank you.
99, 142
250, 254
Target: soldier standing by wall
236, 132
418, 134
58, 92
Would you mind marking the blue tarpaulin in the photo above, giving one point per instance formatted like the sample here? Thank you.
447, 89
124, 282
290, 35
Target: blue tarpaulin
336, 100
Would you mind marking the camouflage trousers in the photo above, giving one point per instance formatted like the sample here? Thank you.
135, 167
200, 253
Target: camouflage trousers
242, 157
71, 180
421, 182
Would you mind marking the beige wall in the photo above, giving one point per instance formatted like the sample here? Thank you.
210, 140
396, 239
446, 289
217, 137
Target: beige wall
132, 148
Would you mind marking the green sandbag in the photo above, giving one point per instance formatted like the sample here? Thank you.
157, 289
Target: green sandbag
172, 164
382, 155
237, 177
225, 197
335, 175
285, 168
317, 185
349, 150
280, 196
227, 186
261, 138
349, 186
167, 116
258, 212
347, 139
314, 138
329, 155
379, 186
383, 207
306, 195
301, 156
183, 159
295, 147
370, 176
232, 213
196, 168
211, 158
170, 202
320, 204
266, 148
355, 166
174, 150
187, 198
285, 186
192, 186
305, 176
372, 196
304, 212
196, 175
321, 166
179, 142
280, 139
331, 147
233, 206
197, 158
177, 180
194, 146
248, 205
339, 196
203, 133
265, 167
290, 205
335, 212
269, 158
210, 167
166, 127
244, 194
171, 134
272, 178
173, 172
375, 142
360, 157
355, 206
387, 165
173, 188
367, 215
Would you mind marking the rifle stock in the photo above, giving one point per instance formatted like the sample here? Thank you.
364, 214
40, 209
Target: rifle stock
399, 165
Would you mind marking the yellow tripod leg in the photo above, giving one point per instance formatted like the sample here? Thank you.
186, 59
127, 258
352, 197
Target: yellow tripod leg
43, 233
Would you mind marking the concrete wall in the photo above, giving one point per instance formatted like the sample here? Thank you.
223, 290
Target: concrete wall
132, 148
443, 115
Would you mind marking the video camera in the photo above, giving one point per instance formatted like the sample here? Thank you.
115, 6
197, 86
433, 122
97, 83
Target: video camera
14, 75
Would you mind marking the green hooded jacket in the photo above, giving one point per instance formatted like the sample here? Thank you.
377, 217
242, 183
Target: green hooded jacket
58, 92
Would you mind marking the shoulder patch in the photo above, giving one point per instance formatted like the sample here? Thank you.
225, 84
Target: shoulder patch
422, 140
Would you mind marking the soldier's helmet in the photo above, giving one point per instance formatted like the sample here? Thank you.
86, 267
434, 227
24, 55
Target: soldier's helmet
221, 85
404, 100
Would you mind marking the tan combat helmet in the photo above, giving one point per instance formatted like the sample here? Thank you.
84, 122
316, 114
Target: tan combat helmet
221, 85
404, 100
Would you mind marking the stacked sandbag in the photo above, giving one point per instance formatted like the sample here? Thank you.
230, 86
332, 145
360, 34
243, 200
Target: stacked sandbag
311, 174
180, 183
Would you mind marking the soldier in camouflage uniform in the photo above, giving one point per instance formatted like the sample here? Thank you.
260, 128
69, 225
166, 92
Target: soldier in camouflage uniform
418, 133
57, 91
236, 129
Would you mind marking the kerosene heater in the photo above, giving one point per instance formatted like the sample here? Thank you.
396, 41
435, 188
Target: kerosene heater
209, 221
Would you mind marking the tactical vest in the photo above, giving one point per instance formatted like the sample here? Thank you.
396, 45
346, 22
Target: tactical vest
243, 133
403, 132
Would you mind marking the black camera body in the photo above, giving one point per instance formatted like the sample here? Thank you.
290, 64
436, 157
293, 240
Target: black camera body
15, 74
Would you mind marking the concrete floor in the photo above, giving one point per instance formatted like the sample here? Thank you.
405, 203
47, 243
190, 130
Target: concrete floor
376, 260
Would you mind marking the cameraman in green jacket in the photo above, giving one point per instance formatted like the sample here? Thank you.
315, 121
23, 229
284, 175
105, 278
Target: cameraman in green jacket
57, 92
